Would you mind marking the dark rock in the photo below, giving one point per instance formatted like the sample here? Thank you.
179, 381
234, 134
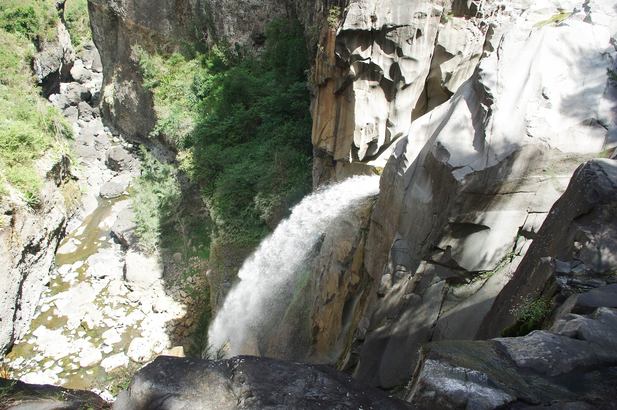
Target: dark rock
580, 235
75, 93
85, 111
118, 159
542, 369
18, 395
247, 382
605, 296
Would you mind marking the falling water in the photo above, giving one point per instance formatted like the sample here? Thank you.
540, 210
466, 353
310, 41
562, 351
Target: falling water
265, 276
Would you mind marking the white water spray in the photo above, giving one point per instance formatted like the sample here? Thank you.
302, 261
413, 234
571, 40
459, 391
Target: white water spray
266, 274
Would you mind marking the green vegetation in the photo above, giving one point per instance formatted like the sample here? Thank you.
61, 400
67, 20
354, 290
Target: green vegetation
29, 19
334, 16
29, 126
556, 19
242, 126
531, 315
155, 194
77, 21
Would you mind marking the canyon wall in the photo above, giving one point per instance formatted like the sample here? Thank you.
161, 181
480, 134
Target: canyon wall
525, 98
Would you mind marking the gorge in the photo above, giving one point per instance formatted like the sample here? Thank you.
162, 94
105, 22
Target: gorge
323, 204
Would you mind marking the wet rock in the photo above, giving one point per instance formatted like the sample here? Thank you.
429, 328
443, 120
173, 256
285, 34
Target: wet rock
113, 362
115, 187
247, 383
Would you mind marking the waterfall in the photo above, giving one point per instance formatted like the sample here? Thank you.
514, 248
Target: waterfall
265, 277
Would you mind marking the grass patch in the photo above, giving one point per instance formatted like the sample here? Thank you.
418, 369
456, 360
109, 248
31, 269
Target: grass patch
29, 125
530, 315
555, 19
155, 195
77, 21
29, 19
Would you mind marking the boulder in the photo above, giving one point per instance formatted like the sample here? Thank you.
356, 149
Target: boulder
247, 383
124, 228
85, 111
17, 395
115, 187
80, 73
142, 269
75, 92
119, 159
543, 369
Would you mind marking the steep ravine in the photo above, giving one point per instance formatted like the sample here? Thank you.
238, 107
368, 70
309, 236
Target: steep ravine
483, 276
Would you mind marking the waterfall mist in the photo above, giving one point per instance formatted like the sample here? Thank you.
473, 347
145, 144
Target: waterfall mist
268, 276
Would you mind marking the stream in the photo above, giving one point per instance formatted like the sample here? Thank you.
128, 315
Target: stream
106, 309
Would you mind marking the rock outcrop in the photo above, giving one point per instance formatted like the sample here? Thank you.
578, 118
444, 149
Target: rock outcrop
120, 25
17, 395
468, 183
572, 366
247, 382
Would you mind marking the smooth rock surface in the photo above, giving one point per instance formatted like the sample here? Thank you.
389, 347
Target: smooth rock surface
247, 383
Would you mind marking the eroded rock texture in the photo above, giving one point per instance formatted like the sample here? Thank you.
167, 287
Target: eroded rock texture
118, 26
468, 184
247, 382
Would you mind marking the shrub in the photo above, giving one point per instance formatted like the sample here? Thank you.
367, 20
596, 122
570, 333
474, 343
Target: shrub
155, 194
530, 315
77, 21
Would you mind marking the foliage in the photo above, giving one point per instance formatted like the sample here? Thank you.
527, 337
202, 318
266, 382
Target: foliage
29, 19
251, 146
29, 126
77, 21
555, 19
334, 16
530, 315
155, 194
242, 126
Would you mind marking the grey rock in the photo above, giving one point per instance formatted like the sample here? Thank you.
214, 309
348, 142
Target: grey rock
85, 111
115, 187
75, 92
124, 228
141, 268
605, 296
579, 223
247, 382
541, 370
80, 73
71, 113
119, 159
59, 101
22, 396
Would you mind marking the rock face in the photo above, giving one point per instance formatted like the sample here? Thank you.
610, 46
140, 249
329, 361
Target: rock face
247, 382
119, 25
573, 366
28, 242
574, 251
469, 182
17, 395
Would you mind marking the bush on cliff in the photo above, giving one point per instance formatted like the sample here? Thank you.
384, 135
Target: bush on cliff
29, 126
242, 126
